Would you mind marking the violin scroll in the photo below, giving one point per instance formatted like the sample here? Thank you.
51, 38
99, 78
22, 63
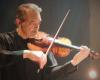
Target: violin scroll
94, 55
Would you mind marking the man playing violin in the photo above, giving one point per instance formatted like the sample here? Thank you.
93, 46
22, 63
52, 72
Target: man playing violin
26, 61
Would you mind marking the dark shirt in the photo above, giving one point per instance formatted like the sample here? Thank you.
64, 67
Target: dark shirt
14, 67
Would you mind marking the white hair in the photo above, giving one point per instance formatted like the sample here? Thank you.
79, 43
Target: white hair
32, 6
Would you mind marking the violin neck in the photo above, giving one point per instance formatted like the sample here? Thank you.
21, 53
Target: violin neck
67, 46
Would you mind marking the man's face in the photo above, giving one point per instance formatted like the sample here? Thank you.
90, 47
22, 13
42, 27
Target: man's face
31, 24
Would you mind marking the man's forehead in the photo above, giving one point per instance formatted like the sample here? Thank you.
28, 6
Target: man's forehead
33, 15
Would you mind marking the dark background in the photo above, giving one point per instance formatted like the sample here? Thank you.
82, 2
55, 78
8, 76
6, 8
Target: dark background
81, 26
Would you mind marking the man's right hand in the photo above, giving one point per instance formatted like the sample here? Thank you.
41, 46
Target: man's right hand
36, 56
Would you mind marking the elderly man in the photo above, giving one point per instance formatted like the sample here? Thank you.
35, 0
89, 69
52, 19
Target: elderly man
26, 65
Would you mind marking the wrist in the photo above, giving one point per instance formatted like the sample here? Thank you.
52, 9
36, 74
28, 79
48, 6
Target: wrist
25, 53
74, 63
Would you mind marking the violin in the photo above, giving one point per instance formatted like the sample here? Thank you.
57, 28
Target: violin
61, 47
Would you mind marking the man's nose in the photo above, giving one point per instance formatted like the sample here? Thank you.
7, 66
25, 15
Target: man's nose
36, 26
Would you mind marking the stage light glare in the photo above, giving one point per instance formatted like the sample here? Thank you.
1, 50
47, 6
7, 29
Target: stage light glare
92, 74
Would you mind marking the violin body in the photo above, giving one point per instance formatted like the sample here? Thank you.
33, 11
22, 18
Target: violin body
42, 42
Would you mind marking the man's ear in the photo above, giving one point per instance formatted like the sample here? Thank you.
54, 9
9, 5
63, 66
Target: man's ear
17, 21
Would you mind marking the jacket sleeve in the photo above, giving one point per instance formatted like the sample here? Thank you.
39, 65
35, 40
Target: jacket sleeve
62, 70
56, 71
8, 58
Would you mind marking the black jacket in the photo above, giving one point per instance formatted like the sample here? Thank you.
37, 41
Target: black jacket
14, 67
